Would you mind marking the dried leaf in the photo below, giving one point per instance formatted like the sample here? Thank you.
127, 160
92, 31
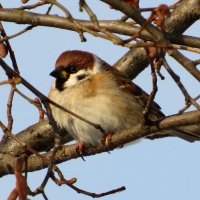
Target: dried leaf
3, 50
160, 14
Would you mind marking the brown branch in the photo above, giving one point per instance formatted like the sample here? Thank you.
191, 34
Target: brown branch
160, 45
173, 6
8, 152
57, 143
156, 33
70, 183
6, 38
11, 52
109, 25
69, 152
188, 64
154, 83
186, 13
133, 14
9, 109
188, 105
176, 78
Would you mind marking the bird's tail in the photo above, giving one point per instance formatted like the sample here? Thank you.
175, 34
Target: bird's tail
190, 133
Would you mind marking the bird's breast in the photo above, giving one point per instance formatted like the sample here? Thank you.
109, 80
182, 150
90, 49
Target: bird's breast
101, 102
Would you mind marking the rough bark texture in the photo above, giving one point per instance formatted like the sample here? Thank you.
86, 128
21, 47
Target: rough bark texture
40, 137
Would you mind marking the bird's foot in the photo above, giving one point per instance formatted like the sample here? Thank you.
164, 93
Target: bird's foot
107, 141
80, 149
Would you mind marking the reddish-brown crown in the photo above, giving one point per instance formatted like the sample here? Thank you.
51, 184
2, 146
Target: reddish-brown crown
80, 59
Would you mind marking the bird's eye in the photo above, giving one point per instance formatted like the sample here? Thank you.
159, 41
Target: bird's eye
72, 69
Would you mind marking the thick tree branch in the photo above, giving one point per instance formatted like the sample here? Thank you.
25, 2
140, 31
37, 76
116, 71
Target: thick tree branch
135, 60
8, 155
113, 26
183, 17
185, 14
135, 15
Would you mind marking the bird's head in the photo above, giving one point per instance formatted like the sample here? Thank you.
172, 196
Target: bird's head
74, 66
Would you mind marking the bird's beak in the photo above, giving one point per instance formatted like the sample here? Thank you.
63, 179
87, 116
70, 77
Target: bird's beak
59, 73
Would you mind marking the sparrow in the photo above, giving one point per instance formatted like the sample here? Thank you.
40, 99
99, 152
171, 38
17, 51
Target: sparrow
88, 86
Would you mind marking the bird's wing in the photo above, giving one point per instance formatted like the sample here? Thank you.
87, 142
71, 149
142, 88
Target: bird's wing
142, 97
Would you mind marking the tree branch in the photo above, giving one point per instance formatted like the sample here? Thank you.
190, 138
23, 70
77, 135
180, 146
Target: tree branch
183, 17
174, 24
113, 26
185, 14
11, 149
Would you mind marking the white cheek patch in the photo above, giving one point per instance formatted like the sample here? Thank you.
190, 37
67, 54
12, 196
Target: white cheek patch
76, 77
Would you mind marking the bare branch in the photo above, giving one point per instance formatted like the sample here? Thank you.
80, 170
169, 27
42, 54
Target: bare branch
9, 151
185, 62
185, 14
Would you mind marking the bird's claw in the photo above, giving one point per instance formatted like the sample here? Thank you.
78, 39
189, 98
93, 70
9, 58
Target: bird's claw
107, 141
80, 149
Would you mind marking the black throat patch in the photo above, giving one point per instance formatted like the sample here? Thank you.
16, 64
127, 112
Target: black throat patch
60, 83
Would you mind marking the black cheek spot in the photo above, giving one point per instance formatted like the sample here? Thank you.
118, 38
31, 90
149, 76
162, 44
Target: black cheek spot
80, 77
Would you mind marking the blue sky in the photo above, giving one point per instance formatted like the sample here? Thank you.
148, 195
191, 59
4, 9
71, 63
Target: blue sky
162, 169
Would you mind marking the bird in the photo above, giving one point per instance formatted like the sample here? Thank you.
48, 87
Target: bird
91, 88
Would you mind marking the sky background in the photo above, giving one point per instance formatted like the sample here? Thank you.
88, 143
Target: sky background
161, 169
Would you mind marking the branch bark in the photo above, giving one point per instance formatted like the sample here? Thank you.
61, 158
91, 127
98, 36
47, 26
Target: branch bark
113, 26
11, 149
135, 60
181, 19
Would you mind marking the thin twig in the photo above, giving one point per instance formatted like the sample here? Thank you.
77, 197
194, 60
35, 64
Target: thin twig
176, 78
78, 190
57, 143
11, 52
68, 16
188, 64
9, 109
109, 36
166, 46
188, 105
155, 87
37, 105
28, 28
15, 66
93, 17
6, 38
